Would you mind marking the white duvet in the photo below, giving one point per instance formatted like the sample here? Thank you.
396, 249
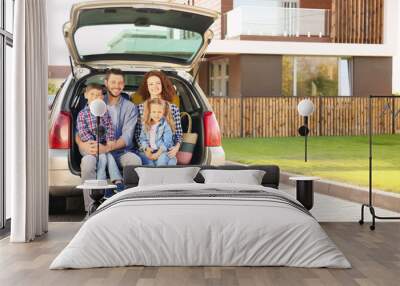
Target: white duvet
183, 231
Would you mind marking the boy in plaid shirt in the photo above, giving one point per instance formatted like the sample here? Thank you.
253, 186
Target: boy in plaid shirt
87, 130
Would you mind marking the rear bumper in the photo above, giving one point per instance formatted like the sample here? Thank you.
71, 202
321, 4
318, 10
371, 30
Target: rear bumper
61, 180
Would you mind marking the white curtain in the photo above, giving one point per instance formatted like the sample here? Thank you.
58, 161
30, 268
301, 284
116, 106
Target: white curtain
26, 123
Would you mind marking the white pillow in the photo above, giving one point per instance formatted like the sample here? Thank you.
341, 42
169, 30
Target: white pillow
166, 176
248, 177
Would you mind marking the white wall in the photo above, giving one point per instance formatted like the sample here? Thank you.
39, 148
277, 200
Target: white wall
298, 48
396, 58
268, 3
274, 21
392, 38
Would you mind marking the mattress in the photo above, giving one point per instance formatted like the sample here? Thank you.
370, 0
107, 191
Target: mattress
201, 225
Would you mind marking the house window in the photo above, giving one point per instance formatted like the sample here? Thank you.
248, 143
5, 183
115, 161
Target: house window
316, 76
219, 78
6, 43
345, 76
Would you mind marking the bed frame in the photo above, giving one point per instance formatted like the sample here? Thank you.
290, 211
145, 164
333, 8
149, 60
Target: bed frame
270, 179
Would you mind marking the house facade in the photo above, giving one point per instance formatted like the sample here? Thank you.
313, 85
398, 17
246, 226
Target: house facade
291, 48
300, 48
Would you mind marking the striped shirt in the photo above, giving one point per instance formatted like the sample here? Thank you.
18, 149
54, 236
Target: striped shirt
87, 126
176, 137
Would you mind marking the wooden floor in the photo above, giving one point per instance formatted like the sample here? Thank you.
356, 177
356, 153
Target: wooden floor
374, 255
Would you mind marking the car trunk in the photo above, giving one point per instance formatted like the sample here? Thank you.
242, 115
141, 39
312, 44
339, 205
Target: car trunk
138, 33
190, 102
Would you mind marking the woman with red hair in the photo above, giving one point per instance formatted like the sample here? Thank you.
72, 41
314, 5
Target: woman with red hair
156, 85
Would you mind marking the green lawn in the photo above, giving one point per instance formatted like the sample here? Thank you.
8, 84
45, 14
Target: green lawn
343, 159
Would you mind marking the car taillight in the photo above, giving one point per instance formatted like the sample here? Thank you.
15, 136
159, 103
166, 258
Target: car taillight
212, 136
59, 135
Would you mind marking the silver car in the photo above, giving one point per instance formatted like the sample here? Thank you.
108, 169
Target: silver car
135, 36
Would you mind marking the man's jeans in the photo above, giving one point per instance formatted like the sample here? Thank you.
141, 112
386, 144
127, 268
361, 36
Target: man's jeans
88, 169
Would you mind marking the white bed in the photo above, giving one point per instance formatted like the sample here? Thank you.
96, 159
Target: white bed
201, 224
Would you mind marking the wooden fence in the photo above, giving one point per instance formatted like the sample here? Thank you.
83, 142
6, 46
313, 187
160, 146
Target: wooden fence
278, 116
357, 21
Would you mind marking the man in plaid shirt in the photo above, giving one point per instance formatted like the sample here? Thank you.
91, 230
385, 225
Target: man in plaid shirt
123, 116
87, 130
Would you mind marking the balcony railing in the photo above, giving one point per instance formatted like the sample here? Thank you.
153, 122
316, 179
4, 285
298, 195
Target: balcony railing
276, 21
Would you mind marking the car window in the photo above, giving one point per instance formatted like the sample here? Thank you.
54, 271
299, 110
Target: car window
52, 99
132, 81
152, 41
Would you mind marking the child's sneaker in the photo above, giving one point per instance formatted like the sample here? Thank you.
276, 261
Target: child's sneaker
120, 187
108, 193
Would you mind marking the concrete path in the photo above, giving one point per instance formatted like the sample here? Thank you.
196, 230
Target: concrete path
331, 209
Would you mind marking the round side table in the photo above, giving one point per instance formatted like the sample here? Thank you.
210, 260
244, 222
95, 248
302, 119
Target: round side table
96, 193
304, 190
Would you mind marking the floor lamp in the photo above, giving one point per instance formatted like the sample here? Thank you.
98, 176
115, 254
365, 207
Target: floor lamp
370, 205
96, 187
305, 109
98, 108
